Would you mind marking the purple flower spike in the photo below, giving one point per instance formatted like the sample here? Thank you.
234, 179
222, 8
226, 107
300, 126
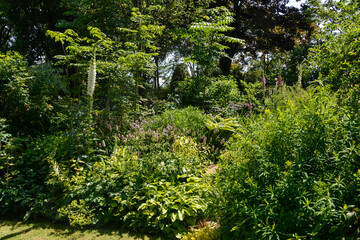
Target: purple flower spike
250, 105
263, 85
279, 82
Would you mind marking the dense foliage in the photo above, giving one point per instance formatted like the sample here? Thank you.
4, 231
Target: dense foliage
336, 56
292, 172
184, 119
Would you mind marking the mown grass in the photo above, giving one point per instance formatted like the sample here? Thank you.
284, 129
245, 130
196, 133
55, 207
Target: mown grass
15, 230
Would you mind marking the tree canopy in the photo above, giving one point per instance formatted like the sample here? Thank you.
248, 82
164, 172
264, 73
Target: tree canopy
266, 26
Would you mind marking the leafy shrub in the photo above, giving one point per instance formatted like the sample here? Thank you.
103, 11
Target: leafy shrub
289, 173
222, 91
14, 92
77, 213
23, 189
190, 119
107, 132
220, 131
47, 90
336, 56
6, 156
158, 192
153, 180
35, 181
180, 74
213, 94
29, 96
171, 208
253, 97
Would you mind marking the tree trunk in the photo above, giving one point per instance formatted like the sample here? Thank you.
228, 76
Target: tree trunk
157, 81
225, 62
225, 65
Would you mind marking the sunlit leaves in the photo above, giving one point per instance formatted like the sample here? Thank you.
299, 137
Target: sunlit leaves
208, 36
336, 56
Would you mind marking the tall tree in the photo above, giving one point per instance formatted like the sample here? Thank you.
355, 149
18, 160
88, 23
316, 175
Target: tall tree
109, 15
5, 32
265, 25
25, 24
106, 15
337, 52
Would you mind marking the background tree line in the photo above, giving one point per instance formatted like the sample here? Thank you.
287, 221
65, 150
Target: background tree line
143, 35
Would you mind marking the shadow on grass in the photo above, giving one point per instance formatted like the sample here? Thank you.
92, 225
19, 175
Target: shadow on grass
65, 231
16, 234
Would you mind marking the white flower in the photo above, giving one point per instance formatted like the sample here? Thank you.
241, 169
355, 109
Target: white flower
91, 77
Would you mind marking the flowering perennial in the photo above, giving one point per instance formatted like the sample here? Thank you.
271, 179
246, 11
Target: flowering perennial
263, 85
279, 82
91, 77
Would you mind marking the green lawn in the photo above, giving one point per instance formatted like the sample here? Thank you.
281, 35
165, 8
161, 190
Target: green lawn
43, 231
